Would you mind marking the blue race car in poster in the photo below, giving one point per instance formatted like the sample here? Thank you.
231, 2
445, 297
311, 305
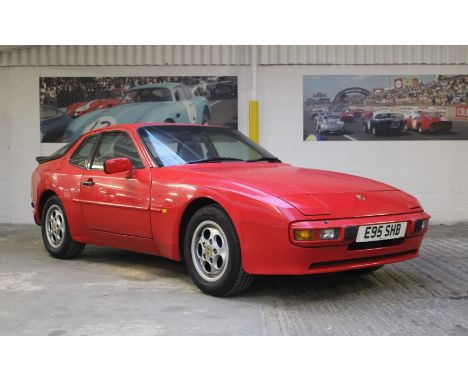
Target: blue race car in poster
157, 102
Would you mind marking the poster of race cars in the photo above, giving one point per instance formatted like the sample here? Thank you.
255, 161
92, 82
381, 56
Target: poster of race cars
71, 106
385, 107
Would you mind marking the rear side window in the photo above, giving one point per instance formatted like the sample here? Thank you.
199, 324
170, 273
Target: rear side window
81, 155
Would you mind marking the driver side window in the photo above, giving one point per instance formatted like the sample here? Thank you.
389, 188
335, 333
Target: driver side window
115, 145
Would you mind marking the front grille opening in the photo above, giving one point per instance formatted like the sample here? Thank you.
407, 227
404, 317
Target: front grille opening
394, 257
375, 244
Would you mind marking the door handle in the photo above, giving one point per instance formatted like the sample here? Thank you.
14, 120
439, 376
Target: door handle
89, 183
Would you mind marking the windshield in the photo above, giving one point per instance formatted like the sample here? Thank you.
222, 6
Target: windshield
385, 115
148, 95
178, 145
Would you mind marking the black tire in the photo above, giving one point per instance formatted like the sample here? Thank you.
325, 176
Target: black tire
233, 279
364, 271
67, 248
206, 116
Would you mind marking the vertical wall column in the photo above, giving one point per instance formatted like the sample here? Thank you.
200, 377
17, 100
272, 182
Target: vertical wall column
253, 102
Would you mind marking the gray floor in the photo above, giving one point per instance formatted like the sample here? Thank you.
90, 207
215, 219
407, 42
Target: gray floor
109, 292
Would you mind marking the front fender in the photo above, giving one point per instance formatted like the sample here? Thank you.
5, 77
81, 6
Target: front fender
170, 199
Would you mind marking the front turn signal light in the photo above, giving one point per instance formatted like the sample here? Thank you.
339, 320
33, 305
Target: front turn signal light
304, 234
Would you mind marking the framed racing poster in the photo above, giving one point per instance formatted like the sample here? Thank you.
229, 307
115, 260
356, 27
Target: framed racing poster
385, 107
71, 106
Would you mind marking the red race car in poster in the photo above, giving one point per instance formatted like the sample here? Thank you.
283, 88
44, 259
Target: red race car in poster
428, 122
77, 109
346, 116
226, 207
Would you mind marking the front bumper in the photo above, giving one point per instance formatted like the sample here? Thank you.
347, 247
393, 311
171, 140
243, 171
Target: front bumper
441, 127
390, 126
277, 255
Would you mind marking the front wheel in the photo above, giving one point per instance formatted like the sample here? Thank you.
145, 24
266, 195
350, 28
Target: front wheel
55, 231
212, 253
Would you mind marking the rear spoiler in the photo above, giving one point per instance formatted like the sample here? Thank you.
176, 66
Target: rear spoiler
56, 155
43, 159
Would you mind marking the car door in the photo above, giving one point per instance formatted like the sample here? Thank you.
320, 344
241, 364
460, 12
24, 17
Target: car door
116, 203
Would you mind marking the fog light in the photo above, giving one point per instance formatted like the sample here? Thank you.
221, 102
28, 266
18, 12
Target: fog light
304, 234
329, 234
421, 225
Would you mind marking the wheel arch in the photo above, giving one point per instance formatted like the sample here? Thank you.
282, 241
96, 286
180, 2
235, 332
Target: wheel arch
46, 194
189, 211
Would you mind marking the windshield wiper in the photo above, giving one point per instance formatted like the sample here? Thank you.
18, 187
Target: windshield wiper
217, 159
266, 159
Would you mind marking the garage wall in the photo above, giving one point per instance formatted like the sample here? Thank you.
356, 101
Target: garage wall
5, 171
20, 129
436, 172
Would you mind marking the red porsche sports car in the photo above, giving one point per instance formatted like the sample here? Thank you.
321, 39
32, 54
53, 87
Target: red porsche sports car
225, 206
77, 109
428, 122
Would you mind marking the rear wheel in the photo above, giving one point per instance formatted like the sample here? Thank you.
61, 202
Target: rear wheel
55, 231
212, 253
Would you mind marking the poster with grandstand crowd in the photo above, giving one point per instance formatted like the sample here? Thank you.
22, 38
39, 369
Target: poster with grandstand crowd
71, 106
385, 107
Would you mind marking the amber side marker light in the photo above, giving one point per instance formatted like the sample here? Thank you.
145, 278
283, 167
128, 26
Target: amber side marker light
316, 234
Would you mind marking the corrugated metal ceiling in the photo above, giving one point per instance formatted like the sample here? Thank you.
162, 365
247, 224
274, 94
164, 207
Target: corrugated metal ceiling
139, 55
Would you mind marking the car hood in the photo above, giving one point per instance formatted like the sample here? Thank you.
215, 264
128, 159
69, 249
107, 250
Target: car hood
316, 192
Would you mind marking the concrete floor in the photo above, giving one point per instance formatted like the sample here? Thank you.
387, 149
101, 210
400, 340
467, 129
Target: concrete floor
110, 292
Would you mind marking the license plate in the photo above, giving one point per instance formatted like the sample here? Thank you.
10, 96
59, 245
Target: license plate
377, 232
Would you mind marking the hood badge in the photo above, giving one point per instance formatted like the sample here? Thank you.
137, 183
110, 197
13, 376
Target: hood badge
360, 197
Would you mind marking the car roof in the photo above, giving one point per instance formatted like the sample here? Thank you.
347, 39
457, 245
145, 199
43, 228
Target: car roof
135, 126
168, 85
385, 112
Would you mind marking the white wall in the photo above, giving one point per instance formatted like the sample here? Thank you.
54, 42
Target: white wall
20, 126
5, 169
436, 172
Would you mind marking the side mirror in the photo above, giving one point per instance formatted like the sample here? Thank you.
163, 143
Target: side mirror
116, 165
